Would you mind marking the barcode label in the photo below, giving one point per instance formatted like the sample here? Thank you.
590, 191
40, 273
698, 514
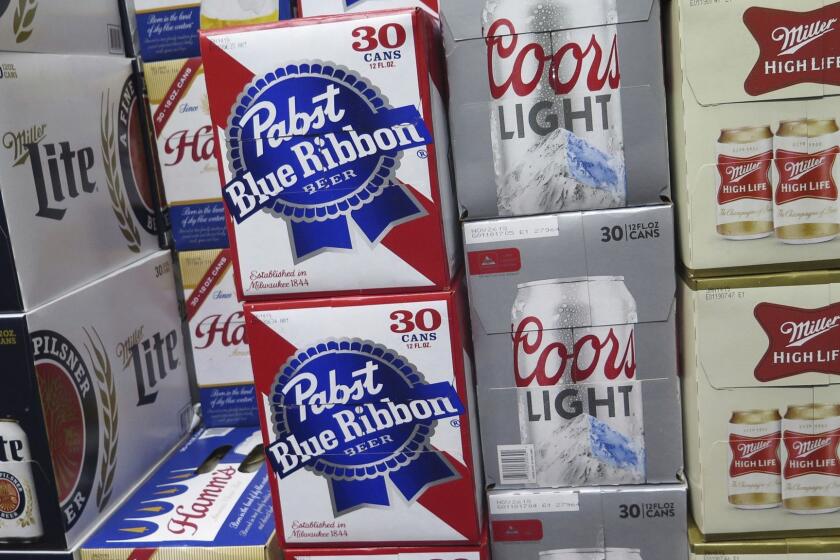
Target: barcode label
115, 39
516, 464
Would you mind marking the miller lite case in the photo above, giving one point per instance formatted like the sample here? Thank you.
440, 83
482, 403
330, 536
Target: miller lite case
622, 523
97, 381
76, 197
556, 105
186, 149
368, 419
754, 132
210, 499
219, 345
308, 8
761, 396
573, 322
335, 166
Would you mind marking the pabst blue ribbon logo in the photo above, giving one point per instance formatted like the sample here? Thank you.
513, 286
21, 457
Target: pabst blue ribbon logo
357, 413
318, 146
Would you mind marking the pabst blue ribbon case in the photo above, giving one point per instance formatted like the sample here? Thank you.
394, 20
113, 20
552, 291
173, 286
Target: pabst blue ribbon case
210, 499
219, 345
168, 29
476, 552
97, 393
308, 8
556, 105
368, 418
755, 136
623, 523
186, 149
573, 326
76, 197
761, 358
335, 160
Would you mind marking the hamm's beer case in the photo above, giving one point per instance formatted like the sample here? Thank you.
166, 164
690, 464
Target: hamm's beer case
97, 392
219, 341
186, 149
755, 137
210, 499
623, 523
556, 105
336, 165
74, 184
761, 394
573, 327
308, 8
168, 29
368, 417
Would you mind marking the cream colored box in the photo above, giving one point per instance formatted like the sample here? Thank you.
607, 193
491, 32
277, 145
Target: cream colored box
816, 548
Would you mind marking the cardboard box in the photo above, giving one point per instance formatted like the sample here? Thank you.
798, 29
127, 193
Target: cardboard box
309, 8
818, 548
479, 552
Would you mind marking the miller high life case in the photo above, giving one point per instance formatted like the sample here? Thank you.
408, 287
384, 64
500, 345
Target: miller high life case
186, 149
219, 342
76, 197
556, 105
573, 321
761, 392
476, 552
210, 499
97, 380
754, 132
335, 166
309, 8
803, 548
623, 523
368, 418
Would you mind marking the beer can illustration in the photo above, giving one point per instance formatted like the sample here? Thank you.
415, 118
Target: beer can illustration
744, 193
20, 516
755, 468
811, 475
219, 14
592, 554
555, 119
580, 404
805, 192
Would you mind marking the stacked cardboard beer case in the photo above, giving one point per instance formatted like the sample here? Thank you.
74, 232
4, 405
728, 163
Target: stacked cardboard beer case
754, 136
334, 170
561, 169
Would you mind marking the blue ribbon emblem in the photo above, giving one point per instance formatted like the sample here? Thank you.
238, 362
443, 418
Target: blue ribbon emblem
318, 146
355, 413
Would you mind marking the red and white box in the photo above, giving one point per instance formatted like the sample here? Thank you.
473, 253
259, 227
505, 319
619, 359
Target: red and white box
367, 412
475, 552
309, 8
334, 157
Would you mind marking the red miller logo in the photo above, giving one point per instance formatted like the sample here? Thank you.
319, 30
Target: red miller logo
811, 454
755, 454
745, 178
800, 341
806, 175
795, 48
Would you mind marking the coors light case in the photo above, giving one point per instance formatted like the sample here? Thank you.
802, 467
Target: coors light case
97, 393
556, 105
573, 321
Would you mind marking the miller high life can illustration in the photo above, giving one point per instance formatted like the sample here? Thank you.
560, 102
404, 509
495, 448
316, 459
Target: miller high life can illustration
210, 497
309, 8
543, 104
20, 514
368, 419
589, 523
75, 186
98, 383
776, 93
761, 354
219, 341
573, 327
335, 162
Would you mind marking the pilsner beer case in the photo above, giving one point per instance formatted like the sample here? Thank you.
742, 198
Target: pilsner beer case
761, 397
98, 392
754, 134
573, 322
556, 105
308, 8
368, 417
76, 197
210, 499
186, 148
168, 29
622, 523
335, 162
219, 342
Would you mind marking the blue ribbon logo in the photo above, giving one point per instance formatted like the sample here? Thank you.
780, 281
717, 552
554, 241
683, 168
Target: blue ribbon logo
355, 413
318, 146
